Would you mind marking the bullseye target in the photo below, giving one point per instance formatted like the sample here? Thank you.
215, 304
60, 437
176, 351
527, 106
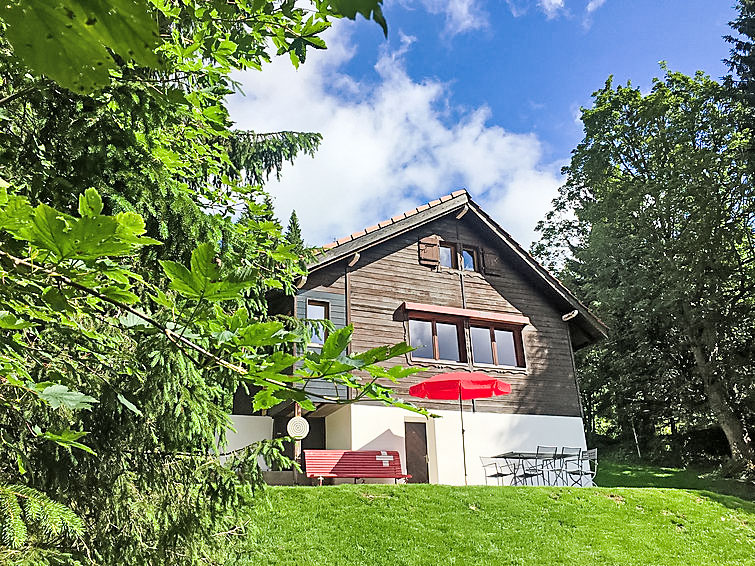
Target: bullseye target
298, 428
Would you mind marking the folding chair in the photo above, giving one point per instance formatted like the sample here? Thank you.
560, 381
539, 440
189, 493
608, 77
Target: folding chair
569, 460
543, 464
587, 468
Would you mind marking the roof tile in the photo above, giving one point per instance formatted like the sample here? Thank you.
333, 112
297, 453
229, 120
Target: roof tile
393, 220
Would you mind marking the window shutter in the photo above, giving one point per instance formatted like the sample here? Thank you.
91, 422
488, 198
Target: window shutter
429, 251
492, 263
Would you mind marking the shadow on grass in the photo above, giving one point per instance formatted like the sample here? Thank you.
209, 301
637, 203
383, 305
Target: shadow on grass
614, 474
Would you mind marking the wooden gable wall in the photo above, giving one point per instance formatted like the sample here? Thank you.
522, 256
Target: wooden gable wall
389, 274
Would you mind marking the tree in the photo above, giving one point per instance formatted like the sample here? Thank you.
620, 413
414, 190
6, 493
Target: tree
117, 361
654, 227
293, 234
742, 59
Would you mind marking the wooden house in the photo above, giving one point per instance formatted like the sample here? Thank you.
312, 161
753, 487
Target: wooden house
446, 278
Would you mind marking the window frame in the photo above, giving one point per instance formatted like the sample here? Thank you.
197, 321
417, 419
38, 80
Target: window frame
516, 332
454, 254
474, 252
322, 303
434, 319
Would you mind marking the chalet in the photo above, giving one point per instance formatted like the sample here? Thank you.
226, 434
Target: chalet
446, 278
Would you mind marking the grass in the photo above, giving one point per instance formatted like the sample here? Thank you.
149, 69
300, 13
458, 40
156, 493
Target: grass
614, 474
422, 525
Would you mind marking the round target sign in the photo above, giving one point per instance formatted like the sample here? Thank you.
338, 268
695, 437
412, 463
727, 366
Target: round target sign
298, 428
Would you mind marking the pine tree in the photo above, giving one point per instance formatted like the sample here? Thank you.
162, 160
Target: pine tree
293, 233
742, 61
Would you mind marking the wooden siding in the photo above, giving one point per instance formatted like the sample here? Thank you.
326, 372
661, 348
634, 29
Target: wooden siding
337, 310
390, 273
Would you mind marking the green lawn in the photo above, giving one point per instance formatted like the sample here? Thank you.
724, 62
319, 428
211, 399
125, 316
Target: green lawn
438, 525
614, 474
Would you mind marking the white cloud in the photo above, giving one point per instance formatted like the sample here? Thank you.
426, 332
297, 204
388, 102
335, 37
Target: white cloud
461, 15
593, 5
552, 8
389, 144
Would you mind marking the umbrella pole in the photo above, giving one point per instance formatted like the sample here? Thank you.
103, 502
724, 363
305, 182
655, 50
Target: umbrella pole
463, 445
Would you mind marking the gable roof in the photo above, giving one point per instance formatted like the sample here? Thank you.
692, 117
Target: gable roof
593, 328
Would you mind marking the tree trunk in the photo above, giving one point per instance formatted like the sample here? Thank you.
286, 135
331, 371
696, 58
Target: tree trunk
741, 449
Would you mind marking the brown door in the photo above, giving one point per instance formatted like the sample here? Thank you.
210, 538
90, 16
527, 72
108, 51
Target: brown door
415, 437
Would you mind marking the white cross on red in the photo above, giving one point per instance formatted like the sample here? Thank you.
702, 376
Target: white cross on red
384, 457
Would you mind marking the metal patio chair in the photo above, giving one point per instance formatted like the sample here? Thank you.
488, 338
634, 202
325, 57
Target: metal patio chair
569, 460
493, 468
542, 465
587, 468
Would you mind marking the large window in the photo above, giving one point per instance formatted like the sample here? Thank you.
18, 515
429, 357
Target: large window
497, 346
436, 340
441, 332
318, 310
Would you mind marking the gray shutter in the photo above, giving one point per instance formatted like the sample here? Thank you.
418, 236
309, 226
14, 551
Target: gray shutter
429, 251
492, 263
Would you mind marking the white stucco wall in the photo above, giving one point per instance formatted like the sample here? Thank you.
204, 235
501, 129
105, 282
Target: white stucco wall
248, 429
487, 434
338, 429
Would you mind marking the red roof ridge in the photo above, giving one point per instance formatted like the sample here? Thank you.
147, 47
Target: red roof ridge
393, 220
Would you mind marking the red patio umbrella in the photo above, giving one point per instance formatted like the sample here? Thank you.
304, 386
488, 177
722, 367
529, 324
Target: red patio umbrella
461, 385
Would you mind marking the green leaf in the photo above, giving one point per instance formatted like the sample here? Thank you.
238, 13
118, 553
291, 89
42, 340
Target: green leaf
118, 294
47, 230
55, 299
181, 279
264, 399
90, 203
370, 9
203, 264
129, 405
336, 342
67, 40
59, 395
68, 439
261, 334
8, 321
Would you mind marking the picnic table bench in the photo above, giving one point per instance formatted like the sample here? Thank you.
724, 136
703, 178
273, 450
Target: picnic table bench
357, 464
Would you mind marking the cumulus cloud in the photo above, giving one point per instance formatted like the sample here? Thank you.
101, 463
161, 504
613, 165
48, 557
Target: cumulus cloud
552, 8
593, 5
390, 143
461, 15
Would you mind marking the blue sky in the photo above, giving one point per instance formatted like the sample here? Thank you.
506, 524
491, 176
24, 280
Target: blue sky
464, 93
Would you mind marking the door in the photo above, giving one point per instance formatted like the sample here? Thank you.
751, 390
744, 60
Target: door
415, 438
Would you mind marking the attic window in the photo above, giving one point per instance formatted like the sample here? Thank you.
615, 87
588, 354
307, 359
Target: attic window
469, 259
448, 256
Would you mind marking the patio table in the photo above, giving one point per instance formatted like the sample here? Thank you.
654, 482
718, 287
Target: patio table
517, 460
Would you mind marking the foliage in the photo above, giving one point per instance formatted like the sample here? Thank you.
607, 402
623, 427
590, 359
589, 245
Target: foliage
434, 524
293, 233
742, 59
654, 227
136, 254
